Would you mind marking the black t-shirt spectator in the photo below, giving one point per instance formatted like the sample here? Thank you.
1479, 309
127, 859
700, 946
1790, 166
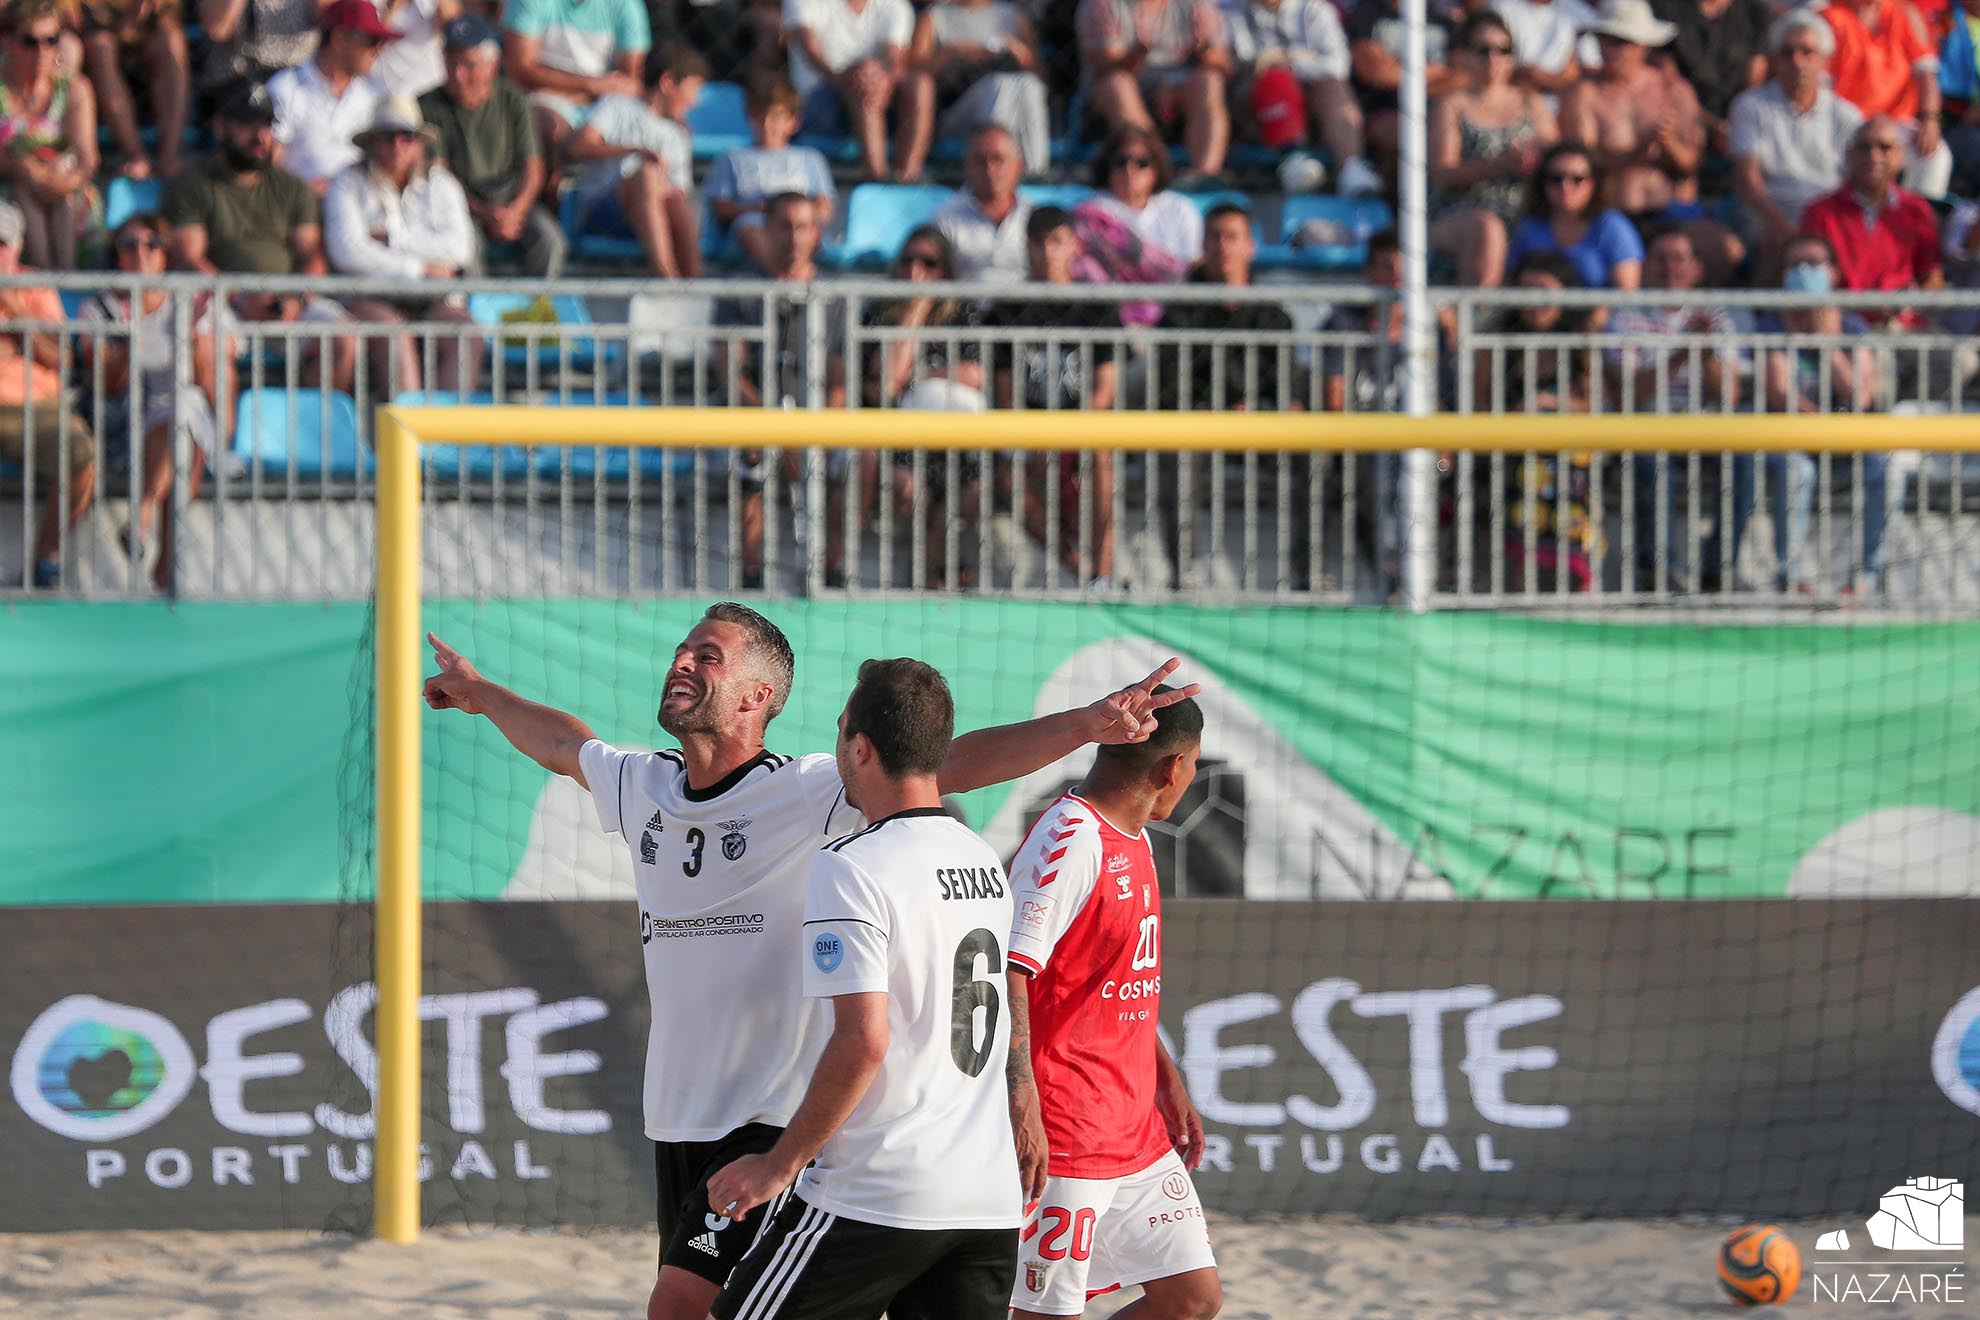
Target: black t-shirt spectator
1052, 369
789, 386
1224, 327
1715, 54
1378, 21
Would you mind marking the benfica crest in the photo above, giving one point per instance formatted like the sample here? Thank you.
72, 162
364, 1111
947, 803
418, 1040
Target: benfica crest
735, 842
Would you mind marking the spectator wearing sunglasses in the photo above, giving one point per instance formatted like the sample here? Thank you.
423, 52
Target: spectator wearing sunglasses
146, 350
1152, 65
322, 104
1565, 215
399, 215
1485, 142
1133, 176
49, 122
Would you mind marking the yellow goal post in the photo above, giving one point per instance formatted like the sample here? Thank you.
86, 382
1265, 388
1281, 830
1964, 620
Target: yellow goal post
400, 431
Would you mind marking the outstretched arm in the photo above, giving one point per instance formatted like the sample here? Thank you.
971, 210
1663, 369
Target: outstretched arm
845, 1070
1011, 751
546, 735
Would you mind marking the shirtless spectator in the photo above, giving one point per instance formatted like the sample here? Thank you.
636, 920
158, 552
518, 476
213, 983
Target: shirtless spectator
1886, 64
1150, 63
1642, 120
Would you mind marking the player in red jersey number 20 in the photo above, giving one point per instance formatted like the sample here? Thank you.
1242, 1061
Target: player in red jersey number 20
1106, 1134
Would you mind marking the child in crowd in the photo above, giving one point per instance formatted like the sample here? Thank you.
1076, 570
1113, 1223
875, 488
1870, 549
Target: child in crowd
637, 176
742, 181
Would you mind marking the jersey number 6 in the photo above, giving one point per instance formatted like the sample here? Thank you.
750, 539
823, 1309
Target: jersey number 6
971, 993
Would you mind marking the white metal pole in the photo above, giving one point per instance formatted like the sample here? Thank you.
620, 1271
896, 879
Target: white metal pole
1419, 357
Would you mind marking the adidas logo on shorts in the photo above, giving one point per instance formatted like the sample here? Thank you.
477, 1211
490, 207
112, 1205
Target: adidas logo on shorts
706, 1242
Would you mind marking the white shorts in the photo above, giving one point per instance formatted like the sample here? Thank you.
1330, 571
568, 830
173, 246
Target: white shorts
1092, 1235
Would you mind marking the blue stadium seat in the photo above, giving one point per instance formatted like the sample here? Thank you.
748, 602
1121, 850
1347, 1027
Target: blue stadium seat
448, 462
280, 426
487, 309
718, 241
125, 198
880, 216
73, 301
1067, 195
719, 120
609, 249
1357, 218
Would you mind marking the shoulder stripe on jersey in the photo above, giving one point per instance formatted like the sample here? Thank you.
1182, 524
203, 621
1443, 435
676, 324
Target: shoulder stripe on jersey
766, 1299
837, 844
620, 794
669, 754
833, 921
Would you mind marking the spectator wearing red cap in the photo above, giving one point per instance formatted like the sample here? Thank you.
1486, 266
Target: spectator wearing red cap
1886, 64
1883, 236
1292, 72
323, 104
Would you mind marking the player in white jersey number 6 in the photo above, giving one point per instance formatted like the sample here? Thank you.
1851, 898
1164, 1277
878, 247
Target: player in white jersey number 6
721, 832
1106, 1133
911, 1206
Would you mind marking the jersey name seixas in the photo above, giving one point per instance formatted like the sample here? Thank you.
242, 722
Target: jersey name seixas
720, 873
917, 907
1088, 927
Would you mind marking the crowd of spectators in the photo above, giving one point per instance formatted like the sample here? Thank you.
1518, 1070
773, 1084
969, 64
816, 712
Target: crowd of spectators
1685, 145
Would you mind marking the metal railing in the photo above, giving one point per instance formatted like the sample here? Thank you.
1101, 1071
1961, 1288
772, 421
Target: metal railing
282, 507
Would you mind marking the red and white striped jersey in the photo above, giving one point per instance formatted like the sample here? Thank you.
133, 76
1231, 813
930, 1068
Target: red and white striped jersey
1087, 925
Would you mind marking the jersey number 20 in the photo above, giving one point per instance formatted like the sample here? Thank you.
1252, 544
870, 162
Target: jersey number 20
971, 993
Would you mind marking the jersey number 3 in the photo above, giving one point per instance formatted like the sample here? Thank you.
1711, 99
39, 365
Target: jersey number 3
692, 866
971, 993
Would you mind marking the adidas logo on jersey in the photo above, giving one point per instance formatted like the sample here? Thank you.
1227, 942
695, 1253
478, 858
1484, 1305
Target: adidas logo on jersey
705, 1243
657, 825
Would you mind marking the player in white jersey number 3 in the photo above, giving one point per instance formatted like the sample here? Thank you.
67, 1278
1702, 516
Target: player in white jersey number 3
1106, 1133
911, 1204
720, 833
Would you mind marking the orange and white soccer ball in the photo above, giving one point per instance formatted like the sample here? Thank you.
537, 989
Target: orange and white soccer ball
1758, 1265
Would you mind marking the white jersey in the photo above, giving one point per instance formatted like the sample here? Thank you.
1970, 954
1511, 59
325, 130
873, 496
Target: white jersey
720, 873
916, 906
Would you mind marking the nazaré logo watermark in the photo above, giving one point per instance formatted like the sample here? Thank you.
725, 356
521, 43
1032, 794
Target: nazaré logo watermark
93, 1070
1956, 1053
1921, 1214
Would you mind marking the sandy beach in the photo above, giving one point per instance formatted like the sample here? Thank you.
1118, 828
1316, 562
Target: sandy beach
1287, 1269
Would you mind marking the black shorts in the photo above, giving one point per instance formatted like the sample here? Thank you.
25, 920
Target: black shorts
813, 1265
692, 1236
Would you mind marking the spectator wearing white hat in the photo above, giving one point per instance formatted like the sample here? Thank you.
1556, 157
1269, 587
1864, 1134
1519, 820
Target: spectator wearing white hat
1641, 120
399, 215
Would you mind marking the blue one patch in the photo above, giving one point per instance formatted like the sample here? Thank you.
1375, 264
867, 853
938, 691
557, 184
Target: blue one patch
828, 951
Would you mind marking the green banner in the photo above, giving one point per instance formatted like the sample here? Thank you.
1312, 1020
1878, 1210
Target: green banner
219, 753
